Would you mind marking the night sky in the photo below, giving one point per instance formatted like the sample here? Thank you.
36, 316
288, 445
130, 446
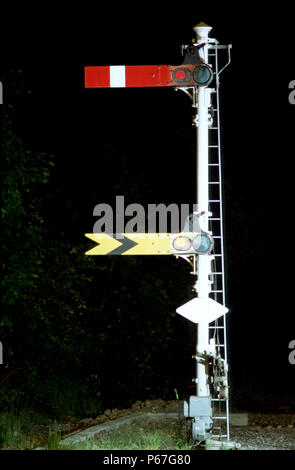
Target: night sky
148, 135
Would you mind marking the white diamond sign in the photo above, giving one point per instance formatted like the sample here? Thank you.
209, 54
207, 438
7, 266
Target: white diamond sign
199, 309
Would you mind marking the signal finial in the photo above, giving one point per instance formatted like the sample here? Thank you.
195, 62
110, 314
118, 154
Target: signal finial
202, 30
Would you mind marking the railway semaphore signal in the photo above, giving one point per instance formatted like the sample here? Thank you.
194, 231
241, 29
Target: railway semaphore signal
203, 248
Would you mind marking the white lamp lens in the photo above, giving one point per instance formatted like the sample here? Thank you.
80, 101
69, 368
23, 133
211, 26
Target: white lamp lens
182, 243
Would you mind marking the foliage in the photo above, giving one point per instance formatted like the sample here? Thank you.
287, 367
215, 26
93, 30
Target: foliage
79, 333
41, 287
157, 436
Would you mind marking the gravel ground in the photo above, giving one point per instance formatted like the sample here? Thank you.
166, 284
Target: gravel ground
253, 438
266, 431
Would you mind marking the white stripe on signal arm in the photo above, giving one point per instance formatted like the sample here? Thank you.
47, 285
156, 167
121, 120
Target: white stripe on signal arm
117, 76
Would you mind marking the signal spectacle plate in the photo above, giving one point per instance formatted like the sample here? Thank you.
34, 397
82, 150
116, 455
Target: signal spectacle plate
202, 74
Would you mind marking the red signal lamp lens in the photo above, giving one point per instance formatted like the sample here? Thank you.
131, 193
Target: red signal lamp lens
182, 75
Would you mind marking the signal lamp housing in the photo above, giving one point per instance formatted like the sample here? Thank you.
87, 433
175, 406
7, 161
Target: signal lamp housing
199, 243
191, 75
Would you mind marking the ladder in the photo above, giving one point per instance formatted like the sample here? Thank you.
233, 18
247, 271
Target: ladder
217, 330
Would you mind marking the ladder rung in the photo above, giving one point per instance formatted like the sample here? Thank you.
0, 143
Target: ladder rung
216, 291
213, 146
214, 200
214, 46
214, 327
219, 417
213, 127
214, 182
213, 164
214, 218
218, 435
218, 399
216, 236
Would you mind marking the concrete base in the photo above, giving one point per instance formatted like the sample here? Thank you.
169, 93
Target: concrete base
214, 444
238, 419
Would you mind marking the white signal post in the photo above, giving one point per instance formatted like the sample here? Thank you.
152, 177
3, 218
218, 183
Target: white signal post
204, 262
211, 385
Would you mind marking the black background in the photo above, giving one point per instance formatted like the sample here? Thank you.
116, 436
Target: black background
153, 128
